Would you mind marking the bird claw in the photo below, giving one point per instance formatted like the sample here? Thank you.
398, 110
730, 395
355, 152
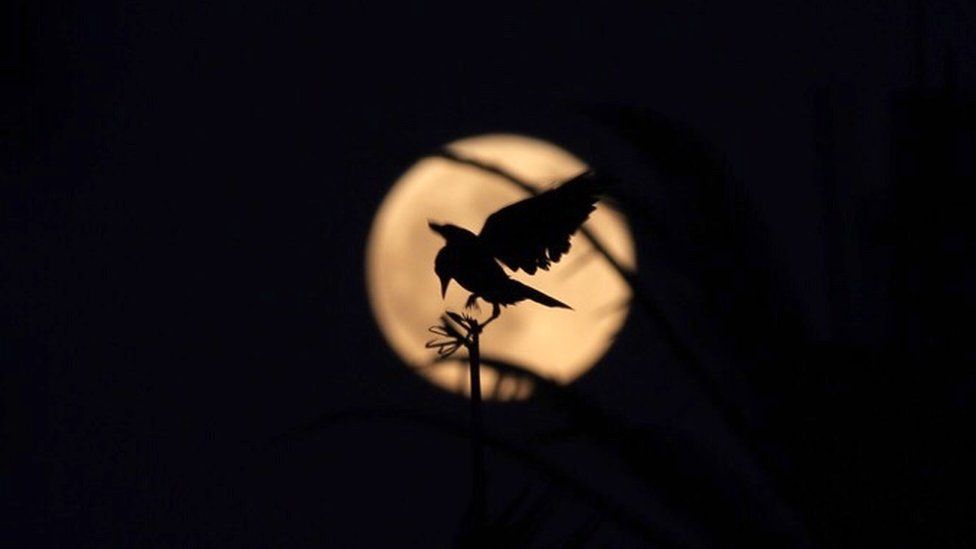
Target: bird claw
464, 320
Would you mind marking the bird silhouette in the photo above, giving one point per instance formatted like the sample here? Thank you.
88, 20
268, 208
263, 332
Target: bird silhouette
530, 234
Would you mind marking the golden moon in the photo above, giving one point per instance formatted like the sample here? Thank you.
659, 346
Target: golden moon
404, 292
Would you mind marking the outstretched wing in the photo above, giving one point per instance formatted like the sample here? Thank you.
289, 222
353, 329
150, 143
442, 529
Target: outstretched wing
534, 233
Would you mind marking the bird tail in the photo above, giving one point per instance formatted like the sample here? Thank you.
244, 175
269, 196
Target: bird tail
539, 297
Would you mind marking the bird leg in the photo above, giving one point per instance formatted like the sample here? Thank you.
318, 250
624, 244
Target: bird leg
495, 312
472, 303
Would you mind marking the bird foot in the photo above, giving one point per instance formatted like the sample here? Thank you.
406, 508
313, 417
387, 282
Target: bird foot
472, 303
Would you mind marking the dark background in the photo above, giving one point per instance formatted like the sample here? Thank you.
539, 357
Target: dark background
187, 352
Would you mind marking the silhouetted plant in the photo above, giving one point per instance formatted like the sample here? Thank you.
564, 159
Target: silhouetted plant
471, 341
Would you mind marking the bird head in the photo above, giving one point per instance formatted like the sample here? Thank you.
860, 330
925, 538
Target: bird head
448, 231
444, 268
446, 262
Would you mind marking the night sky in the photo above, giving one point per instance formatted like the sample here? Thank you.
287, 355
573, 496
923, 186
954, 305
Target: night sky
187, 352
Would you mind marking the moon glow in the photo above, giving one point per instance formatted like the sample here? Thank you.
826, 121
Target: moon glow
404, 292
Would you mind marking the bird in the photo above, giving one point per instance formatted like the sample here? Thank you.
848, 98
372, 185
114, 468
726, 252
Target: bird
530, 235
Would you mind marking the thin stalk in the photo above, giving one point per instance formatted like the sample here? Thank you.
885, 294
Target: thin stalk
477, 433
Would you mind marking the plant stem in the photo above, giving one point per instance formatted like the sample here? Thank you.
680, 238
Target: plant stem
477, 434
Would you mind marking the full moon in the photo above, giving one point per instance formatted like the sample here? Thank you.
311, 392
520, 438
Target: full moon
404, 292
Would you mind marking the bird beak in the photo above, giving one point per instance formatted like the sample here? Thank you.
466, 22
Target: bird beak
437, 228
444, 282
